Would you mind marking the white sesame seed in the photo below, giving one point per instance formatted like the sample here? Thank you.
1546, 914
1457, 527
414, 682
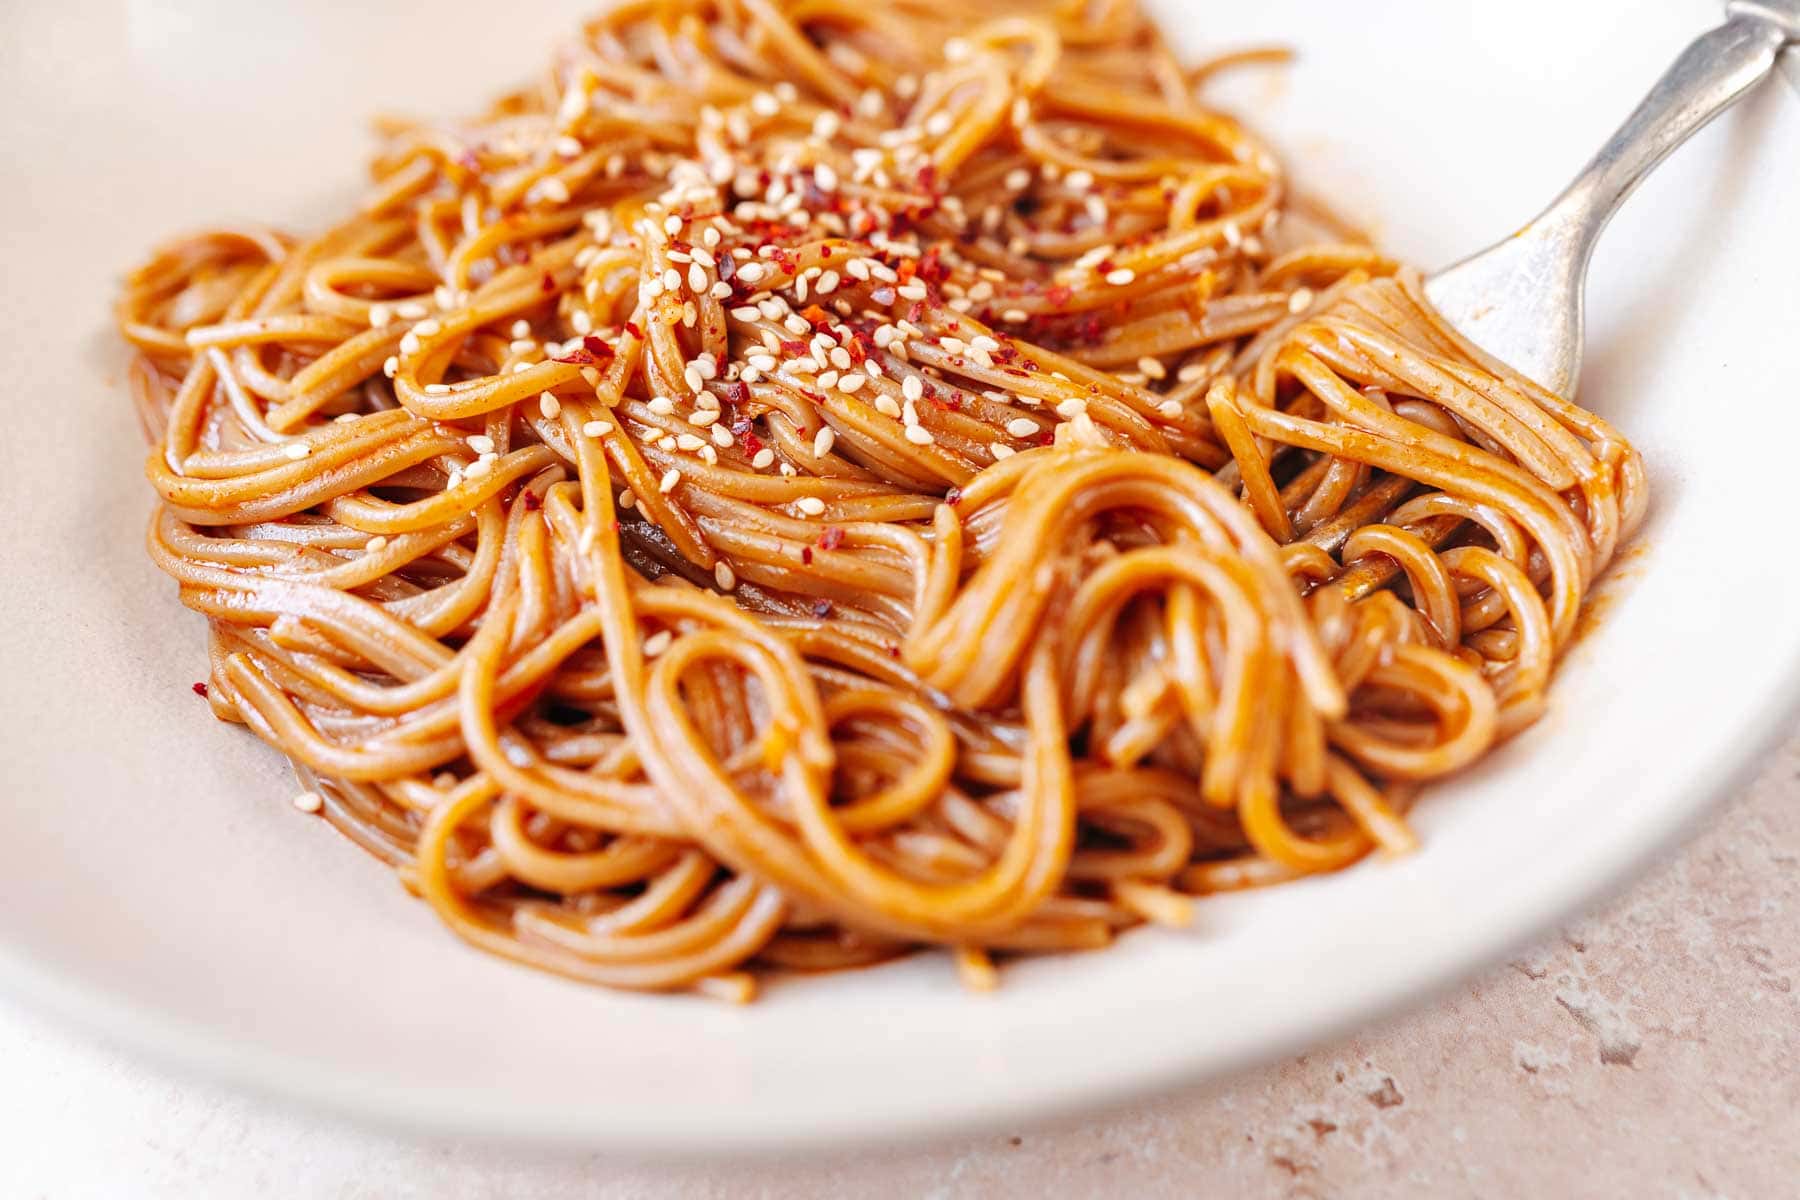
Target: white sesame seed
722, 437
376, 544
918, 435
823, 441
828, 379
436, 389
595, 429
1152, 367
1191, 372
812, 506
913, 388
671, 224
667, 483
662, 406
1233, 235
851, 382
309, 802
826, 125
1073, 407
410, 310
379, 315
390, 366
1170, 408
750, 272
912, 291
477, 469
1121, 276
658, 642
763, 459
1020, 427
724, 576
1017, 179
688, 442
764, 105
939, 124
885, 405
297, 450
703, 416
1300, 301
409, 345
1001, 450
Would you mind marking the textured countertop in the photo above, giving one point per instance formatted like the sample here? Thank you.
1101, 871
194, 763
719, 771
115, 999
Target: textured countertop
1650, 1049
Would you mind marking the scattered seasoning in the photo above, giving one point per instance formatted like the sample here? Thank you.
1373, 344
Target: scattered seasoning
309, 802
200, 689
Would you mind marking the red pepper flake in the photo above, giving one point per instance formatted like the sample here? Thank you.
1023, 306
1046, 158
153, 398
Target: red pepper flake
928, 177
792, 346
547, 283
634, 331
783, 258
932, 268
580, 356
615, 525
907, 269
818, 317
832, 538
806, 555
893, 650
1046, 438
200, 689
1060, 295
953, 497
737, 392
597, 346
825, 253
532, 501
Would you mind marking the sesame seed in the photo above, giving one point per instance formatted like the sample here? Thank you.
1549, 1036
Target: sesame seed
1191, 372
1121, 276
671, 224
549, 406
1300, 301
667, 483
912, 388
410, 310
409, 345
1001, 450
379, 315
851, 382
918, 435
662, 406
1152, 368
657, 642
1233, 235
390, 366
763, 459
297, 450
436, 389
688, 442
885, 405
823, 441
376, 544
1170, 408
595, 429
309, 802
764, 105
812, 506
481, 443
1020, 427
1017, 179
722, 437
724, 576
1073, 407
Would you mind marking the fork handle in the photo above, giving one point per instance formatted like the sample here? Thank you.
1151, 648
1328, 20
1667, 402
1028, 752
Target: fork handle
1716, 69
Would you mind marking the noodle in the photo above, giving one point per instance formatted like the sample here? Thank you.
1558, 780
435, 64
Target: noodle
809, 481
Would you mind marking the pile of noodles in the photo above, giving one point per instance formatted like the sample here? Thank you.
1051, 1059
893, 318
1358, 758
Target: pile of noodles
808, 480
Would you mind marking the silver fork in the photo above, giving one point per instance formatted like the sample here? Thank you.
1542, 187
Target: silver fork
1521, 299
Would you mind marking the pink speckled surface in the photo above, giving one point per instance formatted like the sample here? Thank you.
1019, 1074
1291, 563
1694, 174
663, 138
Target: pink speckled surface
1650, 1049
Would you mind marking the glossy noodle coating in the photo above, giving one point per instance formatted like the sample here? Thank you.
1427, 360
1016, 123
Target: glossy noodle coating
806, 481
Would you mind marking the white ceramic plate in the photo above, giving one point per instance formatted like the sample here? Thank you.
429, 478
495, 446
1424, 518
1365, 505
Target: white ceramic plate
159, 887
